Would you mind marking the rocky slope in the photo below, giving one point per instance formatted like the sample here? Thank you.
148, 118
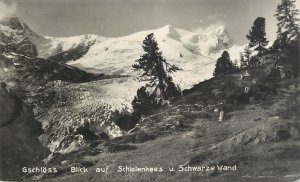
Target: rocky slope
37, 81
19, 60
258, 137
13, 30
19, 131
81, 105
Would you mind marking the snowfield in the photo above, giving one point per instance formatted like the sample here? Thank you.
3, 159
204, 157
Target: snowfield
194, 53
50, 46
187, 50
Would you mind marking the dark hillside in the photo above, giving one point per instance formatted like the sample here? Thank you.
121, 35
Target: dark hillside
259, 129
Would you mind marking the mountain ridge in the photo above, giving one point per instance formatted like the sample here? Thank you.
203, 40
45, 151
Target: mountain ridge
13, 30
49, 46
115, 56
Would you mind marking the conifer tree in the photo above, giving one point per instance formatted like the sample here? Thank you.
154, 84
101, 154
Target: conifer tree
154, 68
246, 57
257, 35
288, 20
243, 61
171, 90
224, 65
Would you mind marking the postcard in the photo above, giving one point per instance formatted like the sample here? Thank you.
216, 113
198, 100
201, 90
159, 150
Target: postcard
149, 90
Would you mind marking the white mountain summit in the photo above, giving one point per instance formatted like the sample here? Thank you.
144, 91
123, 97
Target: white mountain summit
195, 53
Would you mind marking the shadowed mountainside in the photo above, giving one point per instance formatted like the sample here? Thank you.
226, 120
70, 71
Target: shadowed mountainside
19, 131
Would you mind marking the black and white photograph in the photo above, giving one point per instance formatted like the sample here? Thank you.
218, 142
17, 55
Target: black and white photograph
150, 90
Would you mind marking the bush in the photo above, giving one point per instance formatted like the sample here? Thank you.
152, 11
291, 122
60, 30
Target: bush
127, 122
275, 75
171, 90
143, 102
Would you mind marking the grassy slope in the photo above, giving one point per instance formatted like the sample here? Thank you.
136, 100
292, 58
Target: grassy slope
255, 135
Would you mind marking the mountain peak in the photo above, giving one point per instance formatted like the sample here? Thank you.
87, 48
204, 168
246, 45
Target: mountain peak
14, 24
223, 35
168, 28
221, 30
9, 18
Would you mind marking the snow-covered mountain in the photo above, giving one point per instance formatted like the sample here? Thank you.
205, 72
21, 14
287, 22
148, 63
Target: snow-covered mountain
20, 60
27, 56
195, 53
117, 55
14, 31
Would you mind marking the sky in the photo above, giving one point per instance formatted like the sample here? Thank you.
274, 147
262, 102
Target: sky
115, 18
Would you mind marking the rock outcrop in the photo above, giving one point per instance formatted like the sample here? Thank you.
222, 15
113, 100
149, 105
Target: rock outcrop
19, 131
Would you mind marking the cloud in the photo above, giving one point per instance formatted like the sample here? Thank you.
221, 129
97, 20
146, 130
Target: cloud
7, 8
210, 23
216, 16
207, 28
197, 21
